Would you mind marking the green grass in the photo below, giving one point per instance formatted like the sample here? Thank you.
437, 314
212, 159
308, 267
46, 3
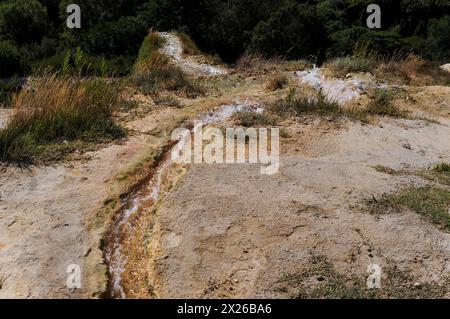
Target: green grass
381, 105
442, 168
189, 46
431, 203
386, 170
7, 90
59, 109
154, 72
297, 105
321, 280
340, 67
151, 44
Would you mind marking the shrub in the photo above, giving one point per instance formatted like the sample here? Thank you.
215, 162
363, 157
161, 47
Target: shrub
10, 60
59, 108
294, 30
23, 21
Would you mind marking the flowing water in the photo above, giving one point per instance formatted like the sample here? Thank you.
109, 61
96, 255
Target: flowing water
149, 194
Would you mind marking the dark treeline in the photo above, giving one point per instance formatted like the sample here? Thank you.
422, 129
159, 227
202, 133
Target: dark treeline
33, 33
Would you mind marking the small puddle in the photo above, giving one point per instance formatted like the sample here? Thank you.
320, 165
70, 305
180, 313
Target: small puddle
149, 194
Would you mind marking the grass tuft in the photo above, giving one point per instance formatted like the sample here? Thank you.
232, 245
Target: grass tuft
276, 81
297, 105
59, 109
319, 279
340, 67
381, 105
252, 119
430, 202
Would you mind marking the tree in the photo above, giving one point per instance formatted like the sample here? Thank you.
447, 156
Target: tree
23, 21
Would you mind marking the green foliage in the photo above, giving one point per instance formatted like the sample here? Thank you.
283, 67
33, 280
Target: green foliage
7, 89
10, 60
431, 203
23, 21
294, 31
381, 105
58, 109
298, 105
314, 30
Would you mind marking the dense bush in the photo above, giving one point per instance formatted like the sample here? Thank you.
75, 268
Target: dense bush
297, 29
23, 21
10, 60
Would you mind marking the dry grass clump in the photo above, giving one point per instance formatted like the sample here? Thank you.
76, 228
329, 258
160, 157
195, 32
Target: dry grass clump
251, 63
406, 67
252, 119
59, 108
276, 81
256, 64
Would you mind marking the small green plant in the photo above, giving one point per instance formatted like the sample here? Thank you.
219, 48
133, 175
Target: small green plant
65, 70
442, 168
381, 105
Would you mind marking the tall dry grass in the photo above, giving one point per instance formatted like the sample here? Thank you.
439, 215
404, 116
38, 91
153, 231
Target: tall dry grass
407, 67
251, 63
57, 107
